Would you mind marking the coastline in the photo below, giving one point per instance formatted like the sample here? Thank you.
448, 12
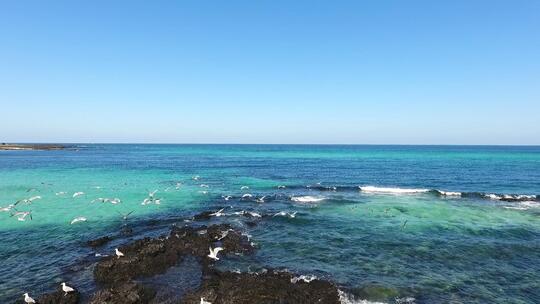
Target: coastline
30, 147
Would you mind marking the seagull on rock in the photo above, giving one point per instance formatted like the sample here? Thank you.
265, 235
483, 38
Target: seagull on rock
214, 252
118, 253
66, 289
204, 302
28, 299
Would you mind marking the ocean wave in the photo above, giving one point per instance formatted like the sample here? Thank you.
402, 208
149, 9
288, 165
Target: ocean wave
307, 199
345, 298
373, 189
525, 205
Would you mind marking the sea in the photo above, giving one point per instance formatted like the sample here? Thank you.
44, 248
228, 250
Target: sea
387, 224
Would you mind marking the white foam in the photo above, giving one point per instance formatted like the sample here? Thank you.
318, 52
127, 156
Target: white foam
449, 193
525, 205
307, 199
305, 278
344, 298
374, 189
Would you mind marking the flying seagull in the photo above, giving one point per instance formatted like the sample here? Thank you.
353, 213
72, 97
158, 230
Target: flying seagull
214, 252
78, 219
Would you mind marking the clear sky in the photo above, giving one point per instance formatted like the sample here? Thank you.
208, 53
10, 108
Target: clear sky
401, 72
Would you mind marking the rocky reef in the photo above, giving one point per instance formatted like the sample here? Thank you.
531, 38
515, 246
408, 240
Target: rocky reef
119, 278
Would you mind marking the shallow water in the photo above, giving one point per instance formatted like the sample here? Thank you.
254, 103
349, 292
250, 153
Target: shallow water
417, 244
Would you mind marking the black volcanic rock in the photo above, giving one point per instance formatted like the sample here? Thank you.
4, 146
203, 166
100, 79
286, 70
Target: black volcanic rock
262, 288
99, 241
147, 257
124, 293
57, 297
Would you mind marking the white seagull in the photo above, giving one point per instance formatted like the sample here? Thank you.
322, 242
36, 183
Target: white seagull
78, 219
217, 213
28, 299
204, 302
247, 195
66, 289
244, 188
77, 194
7, 208
21, 215
214, 252
118, 253
30, 200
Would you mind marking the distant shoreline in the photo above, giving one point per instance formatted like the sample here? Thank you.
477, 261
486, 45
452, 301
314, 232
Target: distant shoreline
25, 147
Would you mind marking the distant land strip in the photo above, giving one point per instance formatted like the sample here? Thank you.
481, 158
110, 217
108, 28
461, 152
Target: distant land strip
6, 146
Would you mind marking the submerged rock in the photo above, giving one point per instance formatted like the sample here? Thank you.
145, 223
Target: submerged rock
262, 288
375, 292
99, 241
124, 293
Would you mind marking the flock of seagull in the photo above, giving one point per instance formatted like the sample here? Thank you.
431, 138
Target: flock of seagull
150, 199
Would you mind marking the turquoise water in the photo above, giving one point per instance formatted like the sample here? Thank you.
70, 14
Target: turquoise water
477, 247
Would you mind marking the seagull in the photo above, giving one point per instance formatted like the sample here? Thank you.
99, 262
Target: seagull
203, 186
254, 214
115, 201
244, 188
66, 289
404, 224
29, 200
78, 219
60, 193
28, 299
151, 194
7, 208
218, 213
178, 185
125, 215
204, 302
118, 253
227, 197
260, 199
196, 177
214, 252
78, 194
224, 234
247, 195
21, 216
281, 187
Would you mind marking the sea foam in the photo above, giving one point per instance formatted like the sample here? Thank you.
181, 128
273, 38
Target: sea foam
374, 189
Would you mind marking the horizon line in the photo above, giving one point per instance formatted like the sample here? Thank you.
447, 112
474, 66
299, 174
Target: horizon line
268, 144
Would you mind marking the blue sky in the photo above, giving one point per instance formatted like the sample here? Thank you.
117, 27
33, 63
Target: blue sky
396, 72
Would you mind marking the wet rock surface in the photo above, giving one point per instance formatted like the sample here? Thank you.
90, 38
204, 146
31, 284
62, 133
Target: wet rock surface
128, 279
149, 257
99, 241
57, 297
124, 293
264, 288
